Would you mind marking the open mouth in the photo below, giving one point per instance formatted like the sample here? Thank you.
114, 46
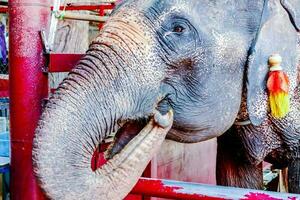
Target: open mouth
125, 134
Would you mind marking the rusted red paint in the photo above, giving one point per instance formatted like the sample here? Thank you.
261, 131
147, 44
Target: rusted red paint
258, 196
263, 196
28, 87
183, 190
157, 188
293, 198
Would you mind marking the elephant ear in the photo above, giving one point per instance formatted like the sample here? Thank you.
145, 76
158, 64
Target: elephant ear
293, 8
277, 34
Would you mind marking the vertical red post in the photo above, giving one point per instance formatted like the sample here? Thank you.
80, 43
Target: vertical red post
28, 86
101, 13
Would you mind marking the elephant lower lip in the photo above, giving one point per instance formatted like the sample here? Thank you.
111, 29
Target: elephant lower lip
184, 132
189, 136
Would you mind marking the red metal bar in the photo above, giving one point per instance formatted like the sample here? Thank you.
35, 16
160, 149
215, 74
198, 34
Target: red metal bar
28, 86
4, 94
193, 191
101, 13
3, 9
4, 87
62, 62
88, 7
4, 84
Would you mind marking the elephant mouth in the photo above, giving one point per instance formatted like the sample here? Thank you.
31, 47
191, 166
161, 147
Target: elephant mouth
124, 135
126, 132
131, 128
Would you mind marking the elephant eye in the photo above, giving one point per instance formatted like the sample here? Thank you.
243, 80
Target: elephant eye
178, 29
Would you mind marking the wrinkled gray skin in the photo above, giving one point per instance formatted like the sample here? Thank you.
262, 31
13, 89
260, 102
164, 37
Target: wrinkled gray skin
185, 55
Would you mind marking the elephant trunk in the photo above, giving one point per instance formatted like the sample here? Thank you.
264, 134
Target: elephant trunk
103, 90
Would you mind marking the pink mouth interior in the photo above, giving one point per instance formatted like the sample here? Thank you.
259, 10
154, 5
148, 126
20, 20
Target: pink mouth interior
106, 151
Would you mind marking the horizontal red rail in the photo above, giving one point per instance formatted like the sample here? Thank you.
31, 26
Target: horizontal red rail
4, 94
87, 7
194, 191
62, 62
4, 86
4, 9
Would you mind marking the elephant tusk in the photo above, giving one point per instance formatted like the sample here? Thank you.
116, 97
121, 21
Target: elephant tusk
163, 120
242, 123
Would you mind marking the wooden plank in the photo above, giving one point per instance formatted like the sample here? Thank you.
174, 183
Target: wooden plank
72, 37
186, 162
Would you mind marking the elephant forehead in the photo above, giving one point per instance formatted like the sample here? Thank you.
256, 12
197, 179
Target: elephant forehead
172, 5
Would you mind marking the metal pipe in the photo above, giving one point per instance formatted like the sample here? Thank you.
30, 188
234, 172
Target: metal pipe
74, 7
28, 87
108, 8
83, 17
3, 9
194, 191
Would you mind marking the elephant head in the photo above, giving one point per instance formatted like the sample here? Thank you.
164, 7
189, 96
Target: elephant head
187, 56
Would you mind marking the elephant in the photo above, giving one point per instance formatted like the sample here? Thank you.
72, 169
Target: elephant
158, 69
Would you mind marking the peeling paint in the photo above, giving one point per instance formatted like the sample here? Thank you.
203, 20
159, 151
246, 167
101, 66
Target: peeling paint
195, 191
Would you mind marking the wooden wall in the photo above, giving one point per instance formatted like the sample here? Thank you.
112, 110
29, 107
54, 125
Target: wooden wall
187, 162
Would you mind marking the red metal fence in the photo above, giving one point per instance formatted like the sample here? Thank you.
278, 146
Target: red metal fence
28, 88
194, 191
